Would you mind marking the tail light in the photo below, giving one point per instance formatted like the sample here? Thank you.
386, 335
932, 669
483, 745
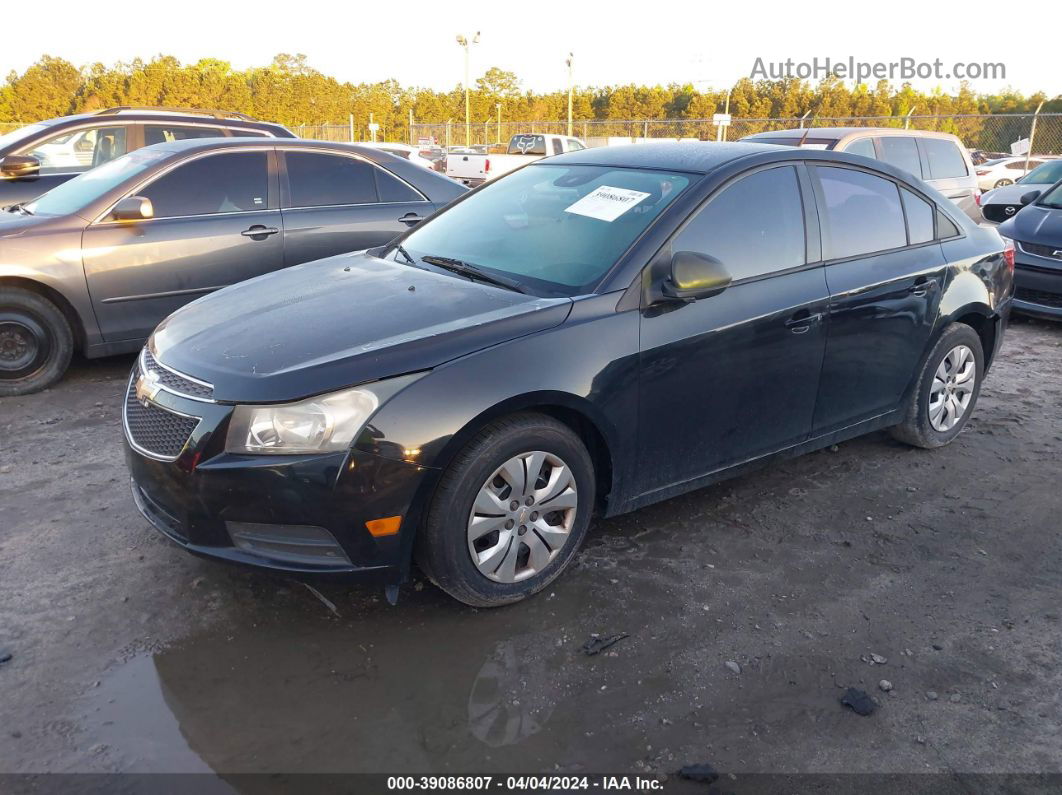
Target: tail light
486, 165
981, 172
977, 197
1008, 253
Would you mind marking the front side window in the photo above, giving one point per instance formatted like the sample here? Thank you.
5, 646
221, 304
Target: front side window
232, 182
78, 150
754, 227
164, 133
863, 213
1053, 198
77, 194
556, 229
392, 189
320, 180
901, 151
945, 159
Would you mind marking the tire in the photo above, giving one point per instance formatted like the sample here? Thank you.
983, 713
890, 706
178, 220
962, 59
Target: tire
463, 520
36, 342
928, 422
1003, 183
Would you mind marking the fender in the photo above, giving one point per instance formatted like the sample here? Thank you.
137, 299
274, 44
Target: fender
67, 281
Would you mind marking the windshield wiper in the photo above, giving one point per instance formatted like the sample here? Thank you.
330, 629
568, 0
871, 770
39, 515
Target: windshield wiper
404, 253
18, 208
474, 272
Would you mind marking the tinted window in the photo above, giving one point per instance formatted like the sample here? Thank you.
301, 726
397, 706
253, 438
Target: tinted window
157, 134
393, 189
558, 146
863, 146
319, 180
902, 152
79, 150
1019, 165
945, 227
753, 227
863, 213
574, 146
945, 159
228, 183
75, 194
919, 217
527, 145
1049, 172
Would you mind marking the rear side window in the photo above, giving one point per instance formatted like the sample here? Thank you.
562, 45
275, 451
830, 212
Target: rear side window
393, 189
228, 183
754, 227
862, 146
863, 213
558, 146
320, 180
161, 133
902, 152
919, 217
945, 159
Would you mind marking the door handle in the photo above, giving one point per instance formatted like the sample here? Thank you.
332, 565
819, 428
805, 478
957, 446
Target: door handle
260, 231
802, 321
920, 287
411, 219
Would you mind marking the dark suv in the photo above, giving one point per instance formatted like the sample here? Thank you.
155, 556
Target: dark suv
97, 262
36, 158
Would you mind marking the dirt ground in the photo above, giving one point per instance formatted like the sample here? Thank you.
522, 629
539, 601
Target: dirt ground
130, 655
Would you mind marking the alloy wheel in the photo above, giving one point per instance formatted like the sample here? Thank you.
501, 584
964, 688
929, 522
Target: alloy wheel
522, 516
953, 388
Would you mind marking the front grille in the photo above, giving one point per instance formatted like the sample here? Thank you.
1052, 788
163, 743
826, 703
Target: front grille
998, 212
1053, 300
175, 382
1051, 252
154, 430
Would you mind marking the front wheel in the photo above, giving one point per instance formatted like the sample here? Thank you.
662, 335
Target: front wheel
947, 390
36, 342
510, 511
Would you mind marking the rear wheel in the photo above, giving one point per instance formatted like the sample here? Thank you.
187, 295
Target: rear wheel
1003, 182
509, 513
36, 342
947, 390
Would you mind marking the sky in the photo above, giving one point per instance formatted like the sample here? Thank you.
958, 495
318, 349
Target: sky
707, 44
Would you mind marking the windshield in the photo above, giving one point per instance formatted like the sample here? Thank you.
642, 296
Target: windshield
555, 229
13, 137
72, 196
1052, 198
1045, 174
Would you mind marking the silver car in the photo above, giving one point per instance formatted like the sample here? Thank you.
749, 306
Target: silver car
938, 158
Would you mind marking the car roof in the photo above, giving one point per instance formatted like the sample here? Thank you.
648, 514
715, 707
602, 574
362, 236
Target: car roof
837, 133
699, 157
137, 114
199, 144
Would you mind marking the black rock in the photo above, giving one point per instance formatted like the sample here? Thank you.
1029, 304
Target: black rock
859, 702
600, 643
702, 771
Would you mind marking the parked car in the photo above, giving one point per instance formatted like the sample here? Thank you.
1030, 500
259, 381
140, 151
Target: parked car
410, 153
1004, 203
97, 262
595, 332
979, 156
37, 157
1005, 171
1037, 234
938, 158
474, 169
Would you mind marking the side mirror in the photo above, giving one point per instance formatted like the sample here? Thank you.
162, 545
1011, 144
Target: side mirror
694, 276
19, 166
133, 208
1030, 197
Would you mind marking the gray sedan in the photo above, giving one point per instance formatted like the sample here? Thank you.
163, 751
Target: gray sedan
97, 262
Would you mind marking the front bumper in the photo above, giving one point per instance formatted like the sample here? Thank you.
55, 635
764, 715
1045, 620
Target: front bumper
1038, 286
206, 499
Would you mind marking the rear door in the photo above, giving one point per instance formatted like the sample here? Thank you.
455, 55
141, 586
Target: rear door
216, 223
885, 272
734, 376
336, 202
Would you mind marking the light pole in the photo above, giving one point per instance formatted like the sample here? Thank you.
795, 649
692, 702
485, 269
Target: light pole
570, 61
466, 44
497, 107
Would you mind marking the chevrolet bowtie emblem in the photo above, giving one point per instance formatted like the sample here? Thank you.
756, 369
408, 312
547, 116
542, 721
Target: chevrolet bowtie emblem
147, 387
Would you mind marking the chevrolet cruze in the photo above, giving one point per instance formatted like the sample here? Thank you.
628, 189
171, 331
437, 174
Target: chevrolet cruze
590, 334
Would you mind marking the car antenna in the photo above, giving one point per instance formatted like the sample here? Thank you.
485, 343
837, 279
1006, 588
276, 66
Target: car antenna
804, 137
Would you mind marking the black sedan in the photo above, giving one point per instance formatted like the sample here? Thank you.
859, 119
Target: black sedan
95, 263
591, 333
1037, 234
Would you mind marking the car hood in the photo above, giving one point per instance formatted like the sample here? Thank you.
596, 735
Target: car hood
338, 322
1011, 194
1035, 224
15, 224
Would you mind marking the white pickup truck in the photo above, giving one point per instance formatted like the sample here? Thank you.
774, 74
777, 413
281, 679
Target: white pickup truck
473, 169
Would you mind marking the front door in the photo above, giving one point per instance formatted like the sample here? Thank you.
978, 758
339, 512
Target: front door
734, 376
216, 223
335, 203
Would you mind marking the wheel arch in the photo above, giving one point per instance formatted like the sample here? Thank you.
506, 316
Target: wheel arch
77, 325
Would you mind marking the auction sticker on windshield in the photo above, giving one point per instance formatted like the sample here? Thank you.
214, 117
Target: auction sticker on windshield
607, 203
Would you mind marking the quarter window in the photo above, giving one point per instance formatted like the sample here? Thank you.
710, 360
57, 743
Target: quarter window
901, 151
753, 227
919, 217
320, 180
862, 146
227, 183
945, 159
863, 213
